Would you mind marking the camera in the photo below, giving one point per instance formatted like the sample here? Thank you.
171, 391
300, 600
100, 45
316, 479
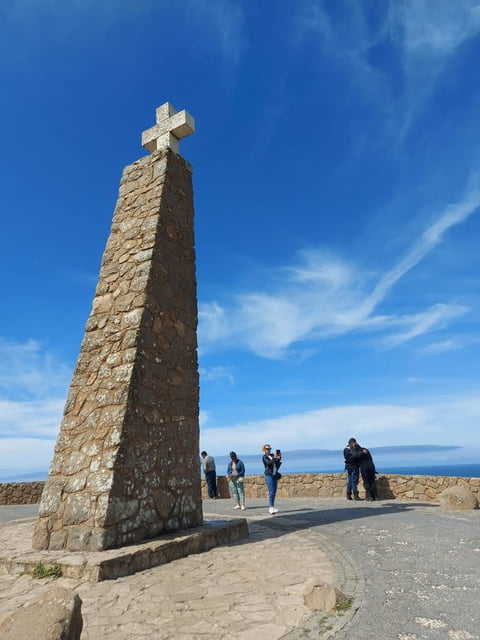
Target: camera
278, 452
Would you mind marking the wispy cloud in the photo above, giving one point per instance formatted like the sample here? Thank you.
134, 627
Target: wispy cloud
49, 13
326, 296
218, 374
422, 36
25, 455
28, 370
430, 238
203, 418
427, 35
40, 418
450, 344
374, 425
435, 27
346, 39
442, 347
220, 22
436, 317
33, 387
225, 19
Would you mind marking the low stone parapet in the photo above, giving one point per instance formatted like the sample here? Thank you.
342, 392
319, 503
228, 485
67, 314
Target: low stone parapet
21, 492
333, 485
292, 485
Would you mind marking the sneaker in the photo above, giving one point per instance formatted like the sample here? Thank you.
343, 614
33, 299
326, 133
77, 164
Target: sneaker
237, 506
272, 510
243, 507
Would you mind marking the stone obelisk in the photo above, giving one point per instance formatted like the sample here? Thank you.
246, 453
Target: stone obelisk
126, 466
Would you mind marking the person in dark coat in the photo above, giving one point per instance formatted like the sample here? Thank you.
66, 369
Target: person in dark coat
352, 468
367, 469
209, 469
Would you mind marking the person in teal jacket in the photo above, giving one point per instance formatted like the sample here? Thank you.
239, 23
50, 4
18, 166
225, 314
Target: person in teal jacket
236, 478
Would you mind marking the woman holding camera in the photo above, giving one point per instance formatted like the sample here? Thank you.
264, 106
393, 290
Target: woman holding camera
271, 463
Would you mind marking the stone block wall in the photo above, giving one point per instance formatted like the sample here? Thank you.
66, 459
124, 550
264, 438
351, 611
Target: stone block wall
331, 485
21, 492
311, 485
125, 466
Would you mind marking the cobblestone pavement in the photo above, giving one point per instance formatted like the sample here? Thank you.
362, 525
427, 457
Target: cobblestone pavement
237, 591
412, 571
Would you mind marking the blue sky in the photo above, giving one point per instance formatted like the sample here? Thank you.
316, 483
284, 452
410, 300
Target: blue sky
337, 194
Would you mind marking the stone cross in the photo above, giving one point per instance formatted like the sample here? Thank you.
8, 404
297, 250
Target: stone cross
171, 127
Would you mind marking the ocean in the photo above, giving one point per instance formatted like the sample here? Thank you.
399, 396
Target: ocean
437, 460
317, 461
459, 470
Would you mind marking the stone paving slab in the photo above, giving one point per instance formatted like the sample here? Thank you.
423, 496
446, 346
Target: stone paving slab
411, 569
17, 556
244, 590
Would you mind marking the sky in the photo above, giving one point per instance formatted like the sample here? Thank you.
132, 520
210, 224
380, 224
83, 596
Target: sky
337, 202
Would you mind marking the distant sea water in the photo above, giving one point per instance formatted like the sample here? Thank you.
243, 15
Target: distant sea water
404, 460
459, 470
436, 460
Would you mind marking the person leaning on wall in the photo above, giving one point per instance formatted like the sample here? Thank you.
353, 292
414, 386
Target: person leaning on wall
352, 469
368, 471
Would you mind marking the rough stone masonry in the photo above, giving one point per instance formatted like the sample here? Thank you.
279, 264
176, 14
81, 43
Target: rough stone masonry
125, 466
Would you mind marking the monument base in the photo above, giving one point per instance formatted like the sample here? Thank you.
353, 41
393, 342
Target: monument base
17, 557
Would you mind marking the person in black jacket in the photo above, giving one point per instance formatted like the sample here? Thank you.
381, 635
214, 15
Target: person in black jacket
352, 468
271, 463
367, 469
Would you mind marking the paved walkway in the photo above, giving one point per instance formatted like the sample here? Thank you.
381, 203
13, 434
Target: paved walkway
412, 570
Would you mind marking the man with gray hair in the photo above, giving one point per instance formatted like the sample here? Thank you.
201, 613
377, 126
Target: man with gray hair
208, 466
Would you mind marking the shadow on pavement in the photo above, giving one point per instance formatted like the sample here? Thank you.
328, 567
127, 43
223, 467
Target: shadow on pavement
296, 519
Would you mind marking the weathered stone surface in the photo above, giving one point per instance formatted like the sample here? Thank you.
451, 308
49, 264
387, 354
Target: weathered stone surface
21, 492
17, 558
390, 486
321, 596
54, 616
126, 459
459, 497
332, 485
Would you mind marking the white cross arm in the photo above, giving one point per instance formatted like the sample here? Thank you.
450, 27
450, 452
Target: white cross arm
171, 127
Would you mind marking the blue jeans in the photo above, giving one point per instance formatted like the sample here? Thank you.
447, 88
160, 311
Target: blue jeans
211, 479
352, 480
272, 489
